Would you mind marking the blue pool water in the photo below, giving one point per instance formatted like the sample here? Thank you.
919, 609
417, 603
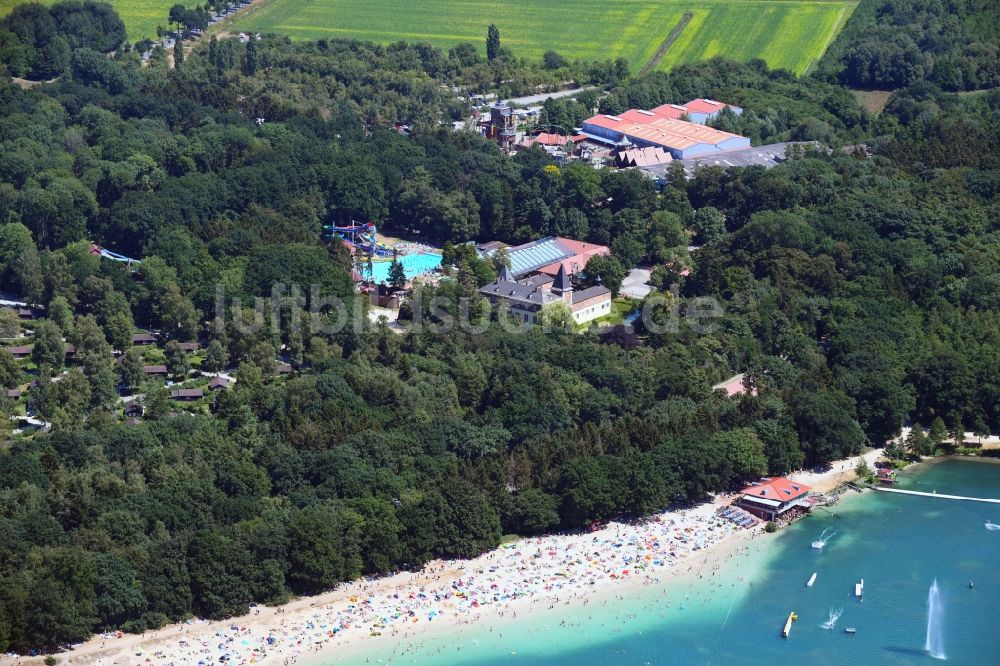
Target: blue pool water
413, 265
899, 544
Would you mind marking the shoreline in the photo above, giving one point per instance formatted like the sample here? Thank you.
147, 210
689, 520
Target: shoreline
498, 619
564, 569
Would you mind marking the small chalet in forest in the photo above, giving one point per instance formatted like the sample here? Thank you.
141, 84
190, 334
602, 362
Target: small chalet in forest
143, 339
187, 394
218, 383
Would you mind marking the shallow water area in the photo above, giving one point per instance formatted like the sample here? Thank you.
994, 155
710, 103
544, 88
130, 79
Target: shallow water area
898, 544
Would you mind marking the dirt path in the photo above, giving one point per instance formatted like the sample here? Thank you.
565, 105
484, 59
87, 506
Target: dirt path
671, 38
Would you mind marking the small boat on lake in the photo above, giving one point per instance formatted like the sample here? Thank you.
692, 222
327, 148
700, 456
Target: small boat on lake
792, 617
990, 525
812, 579
850, 630
820, 543
859, 589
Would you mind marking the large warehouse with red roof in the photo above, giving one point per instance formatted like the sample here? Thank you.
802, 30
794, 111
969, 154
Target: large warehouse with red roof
663, 128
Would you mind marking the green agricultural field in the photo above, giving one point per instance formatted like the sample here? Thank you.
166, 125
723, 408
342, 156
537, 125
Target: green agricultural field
785, 33
140, 16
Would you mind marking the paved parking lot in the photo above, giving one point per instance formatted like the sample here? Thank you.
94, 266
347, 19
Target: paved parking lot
635, 284
767, 156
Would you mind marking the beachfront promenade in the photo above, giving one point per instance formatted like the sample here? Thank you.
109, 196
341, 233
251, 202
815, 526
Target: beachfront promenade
938, 495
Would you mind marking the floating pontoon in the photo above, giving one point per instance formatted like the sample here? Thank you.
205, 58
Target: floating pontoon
792, 617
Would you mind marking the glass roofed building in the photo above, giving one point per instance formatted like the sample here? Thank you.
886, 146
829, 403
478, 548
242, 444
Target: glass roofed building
547, 255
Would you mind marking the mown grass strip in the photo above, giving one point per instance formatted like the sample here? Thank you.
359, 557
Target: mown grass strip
660, 52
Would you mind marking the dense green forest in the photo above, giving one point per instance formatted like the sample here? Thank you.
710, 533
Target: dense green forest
41, 43
859, 292
890, 44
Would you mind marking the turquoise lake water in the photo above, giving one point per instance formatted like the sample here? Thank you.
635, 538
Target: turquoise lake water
413, 265
899, 544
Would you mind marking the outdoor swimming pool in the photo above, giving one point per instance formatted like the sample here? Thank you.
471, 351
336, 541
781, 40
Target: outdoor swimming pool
413, 265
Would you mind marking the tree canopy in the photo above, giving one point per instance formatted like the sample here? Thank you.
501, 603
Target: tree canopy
856, 284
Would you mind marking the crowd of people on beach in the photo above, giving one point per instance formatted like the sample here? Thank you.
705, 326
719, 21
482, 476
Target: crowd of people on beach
551, 569
412, 247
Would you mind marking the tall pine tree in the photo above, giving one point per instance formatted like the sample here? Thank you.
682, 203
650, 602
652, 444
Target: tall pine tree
397, 277
178, 52
213, 53
252, 61
492, 42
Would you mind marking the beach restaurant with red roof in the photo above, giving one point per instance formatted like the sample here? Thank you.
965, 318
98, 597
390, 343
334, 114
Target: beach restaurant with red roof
770, 498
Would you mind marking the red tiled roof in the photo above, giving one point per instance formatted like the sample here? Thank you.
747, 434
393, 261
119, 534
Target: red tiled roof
674, 111
577, 262
582, 247
547, 139
677, 134
778, 489
702, 105
638, 116
733, 385
609, 122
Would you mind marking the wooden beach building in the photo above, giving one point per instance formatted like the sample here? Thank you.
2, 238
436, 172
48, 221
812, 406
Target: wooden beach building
772, 498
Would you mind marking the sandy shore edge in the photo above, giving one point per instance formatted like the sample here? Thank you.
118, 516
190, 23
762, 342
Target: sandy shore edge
161, 646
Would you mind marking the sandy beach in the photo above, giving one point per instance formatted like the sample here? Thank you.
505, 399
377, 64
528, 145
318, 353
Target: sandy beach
445, 595
840, 472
